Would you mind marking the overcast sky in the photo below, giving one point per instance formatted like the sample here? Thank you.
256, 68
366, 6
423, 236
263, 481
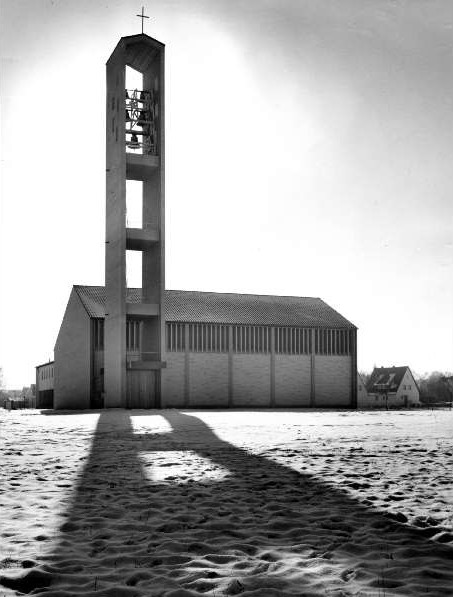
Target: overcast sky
309, 152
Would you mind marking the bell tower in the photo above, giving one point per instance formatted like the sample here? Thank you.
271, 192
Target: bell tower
135, 152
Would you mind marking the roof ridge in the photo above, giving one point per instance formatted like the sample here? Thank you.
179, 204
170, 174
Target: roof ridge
295, 296
394, 367
242, 294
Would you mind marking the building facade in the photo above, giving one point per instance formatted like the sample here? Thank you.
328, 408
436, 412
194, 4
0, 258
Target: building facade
392, 387
150, 347
44, 388
221, 350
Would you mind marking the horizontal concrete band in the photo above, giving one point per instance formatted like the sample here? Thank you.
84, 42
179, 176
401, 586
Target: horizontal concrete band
138, 239
146, 365
142, 309
138, 167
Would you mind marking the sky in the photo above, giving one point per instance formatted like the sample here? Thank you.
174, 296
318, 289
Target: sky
309, 152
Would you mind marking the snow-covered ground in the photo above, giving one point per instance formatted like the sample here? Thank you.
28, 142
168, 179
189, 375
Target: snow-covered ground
263, 503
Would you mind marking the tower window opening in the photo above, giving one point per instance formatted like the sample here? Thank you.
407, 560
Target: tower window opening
141, 113
133, 269
134, 204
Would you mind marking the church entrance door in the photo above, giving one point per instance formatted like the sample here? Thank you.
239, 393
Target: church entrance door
141, 389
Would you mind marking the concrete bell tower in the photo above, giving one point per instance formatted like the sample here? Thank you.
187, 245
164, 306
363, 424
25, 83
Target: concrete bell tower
135, 151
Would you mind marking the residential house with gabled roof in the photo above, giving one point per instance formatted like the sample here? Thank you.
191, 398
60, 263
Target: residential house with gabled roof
393, 387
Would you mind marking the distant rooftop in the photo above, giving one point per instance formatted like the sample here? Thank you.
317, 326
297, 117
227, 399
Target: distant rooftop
388, 378
228, 308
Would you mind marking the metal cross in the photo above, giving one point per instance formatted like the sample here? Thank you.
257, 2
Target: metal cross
142, 16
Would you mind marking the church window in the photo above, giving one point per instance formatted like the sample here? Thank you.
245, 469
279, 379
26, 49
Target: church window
133, 335
175, 337
250, 338
98, 332
292, 340
332, 342
206, 337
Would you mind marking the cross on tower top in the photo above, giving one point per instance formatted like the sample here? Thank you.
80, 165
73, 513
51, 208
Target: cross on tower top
142, 16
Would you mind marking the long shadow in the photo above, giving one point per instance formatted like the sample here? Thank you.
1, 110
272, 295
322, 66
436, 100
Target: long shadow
229, 523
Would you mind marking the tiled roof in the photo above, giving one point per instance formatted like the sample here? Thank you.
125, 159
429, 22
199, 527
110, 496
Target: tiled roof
386, 378
214, 307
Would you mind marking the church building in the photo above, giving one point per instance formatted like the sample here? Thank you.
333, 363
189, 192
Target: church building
150, 347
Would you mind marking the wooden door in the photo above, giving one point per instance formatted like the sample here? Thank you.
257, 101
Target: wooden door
141, 389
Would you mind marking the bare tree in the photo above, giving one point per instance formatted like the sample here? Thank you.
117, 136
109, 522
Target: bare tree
436, 387
365, 376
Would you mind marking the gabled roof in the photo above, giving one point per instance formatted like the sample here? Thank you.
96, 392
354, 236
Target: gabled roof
141, 38
212, 307
44, 364
386, 378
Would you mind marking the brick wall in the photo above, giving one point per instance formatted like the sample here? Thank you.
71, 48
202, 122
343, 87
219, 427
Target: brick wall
251, 380
173, 380
292, 380
332, 380
208, 379
72, 358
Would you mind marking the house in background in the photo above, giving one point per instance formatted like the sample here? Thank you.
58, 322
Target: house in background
392, 387
45, 385
363, 400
